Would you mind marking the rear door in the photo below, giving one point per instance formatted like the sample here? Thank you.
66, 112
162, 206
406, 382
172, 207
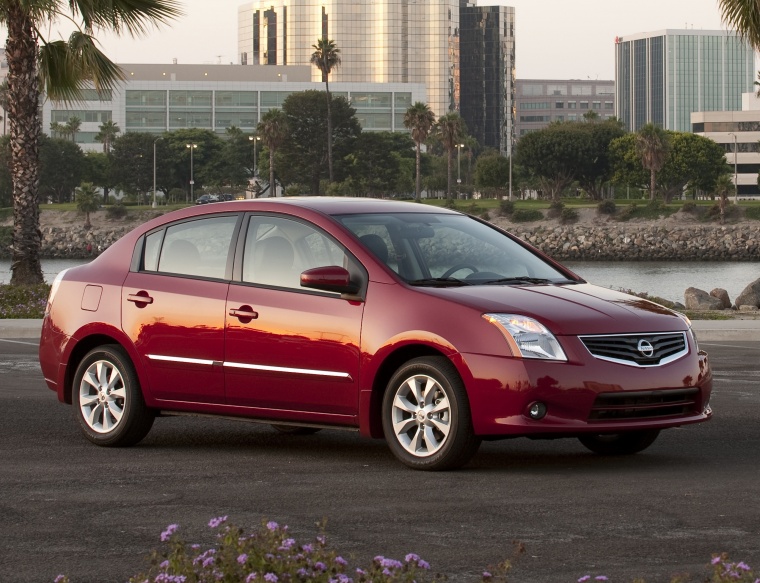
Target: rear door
173, 308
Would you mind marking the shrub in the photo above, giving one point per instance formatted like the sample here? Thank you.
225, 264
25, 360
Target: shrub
506, 208
568, 216
628, 212
690, 207
23, 301
450, 203
116, 211
606, 207
752, 212
527, 215
555, 209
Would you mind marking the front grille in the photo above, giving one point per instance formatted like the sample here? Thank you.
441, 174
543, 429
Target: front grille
638, 349
645, 405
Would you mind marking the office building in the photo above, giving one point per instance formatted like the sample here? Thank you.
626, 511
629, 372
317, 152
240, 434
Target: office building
739, 134
398, 41
662, 77
159, 98
542, 101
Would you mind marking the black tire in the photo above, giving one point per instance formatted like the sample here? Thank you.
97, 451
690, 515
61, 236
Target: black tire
626, 443
433, 432
107, 399
296, 430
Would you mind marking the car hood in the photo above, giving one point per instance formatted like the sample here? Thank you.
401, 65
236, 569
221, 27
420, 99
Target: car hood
569, 309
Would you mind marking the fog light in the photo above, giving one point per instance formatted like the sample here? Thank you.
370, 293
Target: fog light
537, 411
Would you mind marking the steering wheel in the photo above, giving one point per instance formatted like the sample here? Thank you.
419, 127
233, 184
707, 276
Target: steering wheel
452, 270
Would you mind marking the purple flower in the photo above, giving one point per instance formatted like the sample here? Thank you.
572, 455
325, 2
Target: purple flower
411, 558
307, 548
601, 578
302, 572
320, 566
387, 573
487, 575
60, 579
215, 522
242, 559
321, 539
272, 525
341, 561
391, 564
286, 544
423, 564
743, 566
251, 577
170, 530
715, 560
270, 577
584, 579
164, 564
360, 571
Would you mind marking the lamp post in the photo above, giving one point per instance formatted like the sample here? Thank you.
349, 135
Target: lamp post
736, 158
459, 169
192, 182
254, 139
154, 171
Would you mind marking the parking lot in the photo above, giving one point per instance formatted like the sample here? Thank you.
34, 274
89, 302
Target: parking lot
94, 514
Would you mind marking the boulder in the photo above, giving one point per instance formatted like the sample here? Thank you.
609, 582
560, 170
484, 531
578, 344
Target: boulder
722, 295
697, 299
750, 296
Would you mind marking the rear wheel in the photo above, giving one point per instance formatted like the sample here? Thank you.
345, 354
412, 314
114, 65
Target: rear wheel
626, 443
426, 416
108, 402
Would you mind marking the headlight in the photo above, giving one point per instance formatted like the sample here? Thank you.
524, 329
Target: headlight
527, 337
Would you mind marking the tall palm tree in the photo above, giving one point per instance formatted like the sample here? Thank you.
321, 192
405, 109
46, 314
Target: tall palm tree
107, 134
420, 119
61, 69
326, 57
744, 17
72, 127
273, 130
653, 147
451, 130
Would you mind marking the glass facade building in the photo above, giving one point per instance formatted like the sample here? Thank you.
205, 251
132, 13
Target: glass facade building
399, 41
662, 77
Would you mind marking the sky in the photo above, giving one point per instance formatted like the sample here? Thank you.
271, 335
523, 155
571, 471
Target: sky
556, 39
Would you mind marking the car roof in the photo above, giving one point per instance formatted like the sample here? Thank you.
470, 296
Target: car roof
338, 205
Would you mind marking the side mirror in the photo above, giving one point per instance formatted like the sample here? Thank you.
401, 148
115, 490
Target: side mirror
331, 279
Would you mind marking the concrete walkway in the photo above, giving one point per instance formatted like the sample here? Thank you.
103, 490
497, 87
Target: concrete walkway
707, 330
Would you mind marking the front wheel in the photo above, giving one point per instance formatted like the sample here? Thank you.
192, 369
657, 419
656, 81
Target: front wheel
108, 402
426, 416
626, 443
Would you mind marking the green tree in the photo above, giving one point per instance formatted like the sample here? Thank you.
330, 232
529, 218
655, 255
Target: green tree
208, 164
652, 146
420, 119
107, 134
723, 186
377, 162
132, 162
87, 201
60, 68
303, 156
98, 170
492, 172
62, 163
594, 168
550, 157
451, 131
273, 130
326, 57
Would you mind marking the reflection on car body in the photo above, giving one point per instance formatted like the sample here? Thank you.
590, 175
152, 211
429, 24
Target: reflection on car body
427, 327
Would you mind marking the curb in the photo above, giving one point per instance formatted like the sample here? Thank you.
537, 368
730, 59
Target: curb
706, 330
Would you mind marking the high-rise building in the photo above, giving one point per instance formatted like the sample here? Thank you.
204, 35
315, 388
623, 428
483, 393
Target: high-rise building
399, 41
662, 77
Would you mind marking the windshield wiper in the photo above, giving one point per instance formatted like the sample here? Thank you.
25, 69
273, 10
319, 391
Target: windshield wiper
439, 282
518, 280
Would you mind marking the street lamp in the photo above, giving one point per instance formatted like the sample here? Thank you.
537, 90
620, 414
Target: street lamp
154, 171
192, 182
459, 168
736, 158
254, 139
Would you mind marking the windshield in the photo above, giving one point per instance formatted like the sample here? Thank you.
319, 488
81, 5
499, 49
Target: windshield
444, 249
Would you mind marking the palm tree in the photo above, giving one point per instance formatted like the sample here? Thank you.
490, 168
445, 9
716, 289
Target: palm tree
72, 127
450, 129
420, 119
326, 57
652, 146
273, 130
744, 17
107, 134
723, 186
87, 201
57, 129
61, 69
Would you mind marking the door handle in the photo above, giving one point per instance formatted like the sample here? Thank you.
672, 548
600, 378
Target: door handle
244, 313
140, 298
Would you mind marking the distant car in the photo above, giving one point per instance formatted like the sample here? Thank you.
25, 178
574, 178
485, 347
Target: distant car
226, 197
205, 199
427, 327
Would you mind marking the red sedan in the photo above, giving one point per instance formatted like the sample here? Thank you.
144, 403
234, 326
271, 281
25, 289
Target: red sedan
427, 327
